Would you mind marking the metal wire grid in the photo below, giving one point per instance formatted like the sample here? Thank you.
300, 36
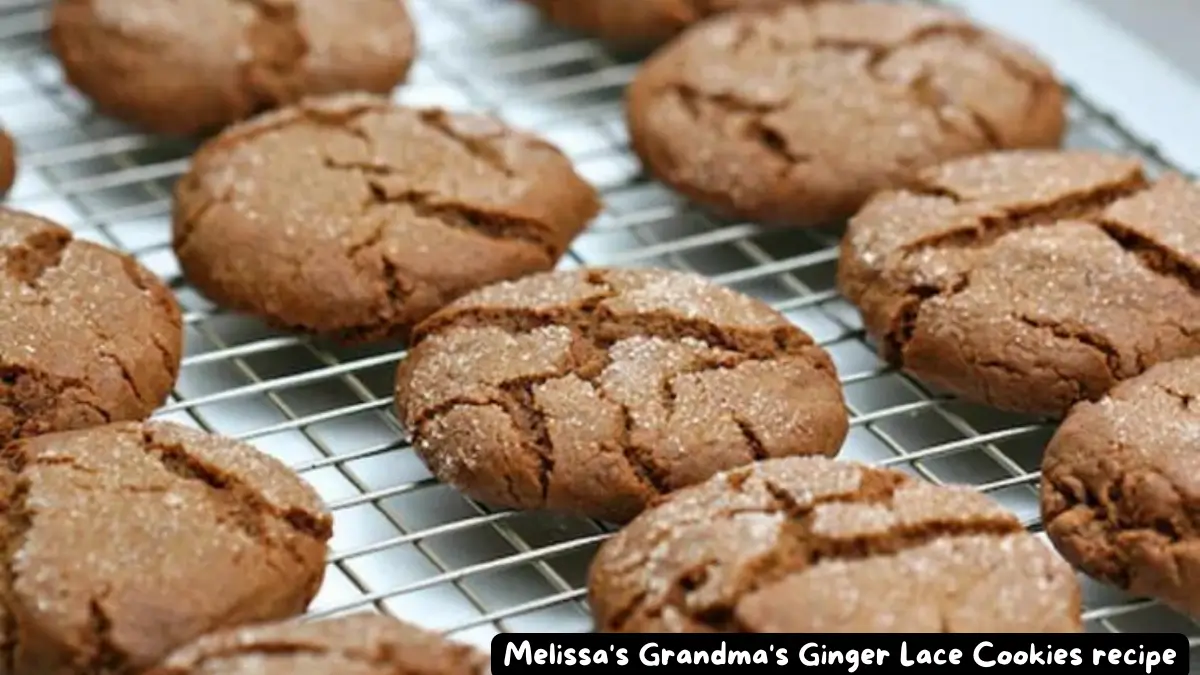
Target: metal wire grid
404, 544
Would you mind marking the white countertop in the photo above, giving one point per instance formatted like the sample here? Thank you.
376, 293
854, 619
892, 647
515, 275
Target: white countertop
1138, 60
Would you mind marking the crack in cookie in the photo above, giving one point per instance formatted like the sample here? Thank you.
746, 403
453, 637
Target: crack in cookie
398, 211
809, 545
1069, 270
806, 111
595, 392
94, 337
251, 56
274, 73
159, 512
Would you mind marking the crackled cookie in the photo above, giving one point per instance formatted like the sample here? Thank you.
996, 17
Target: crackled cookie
1029, 280
362, 644
796, 115
642, 22
89, 336
1120, 485
352, 218
594, 392
8, 163
124, 542
193, 66
812, 545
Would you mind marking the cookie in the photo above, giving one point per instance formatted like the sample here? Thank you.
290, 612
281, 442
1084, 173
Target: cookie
186, 67
1029, 280
89, 336
8, 163
641, 23
593, 392
1119, 488
126, 541
352, 218
795, 116
360, 644
812, 545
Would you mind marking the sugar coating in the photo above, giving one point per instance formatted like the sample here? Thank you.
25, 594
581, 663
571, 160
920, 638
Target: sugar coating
593, 391
814, 545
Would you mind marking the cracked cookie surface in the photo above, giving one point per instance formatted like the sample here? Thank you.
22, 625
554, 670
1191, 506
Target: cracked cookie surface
643, 23
124, 542
1029, 280
354, 645
813, 545
1121, 485
795, 116
8, 163
89, 336
594, 392
189, 67
352, 218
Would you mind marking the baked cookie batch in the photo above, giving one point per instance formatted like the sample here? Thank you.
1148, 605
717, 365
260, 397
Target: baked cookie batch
986, 261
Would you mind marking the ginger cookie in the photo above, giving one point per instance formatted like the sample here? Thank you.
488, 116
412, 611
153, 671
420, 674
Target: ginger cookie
1029, 280
812, 545
594, 392
796, 115
89, 336
352, 218
363, 644
124, 542
186, 67
1119, 486
642, 23
8, 163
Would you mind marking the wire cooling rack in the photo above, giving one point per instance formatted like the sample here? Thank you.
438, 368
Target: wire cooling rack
404, 544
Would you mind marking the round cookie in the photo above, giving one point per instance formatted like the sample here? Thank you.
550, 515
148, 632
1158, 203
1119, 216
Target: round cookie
1029, 280
89, 336
812, 545
124, 542
355, 645
353, 218
642, 22
188, 67
1120, 485
593, 392
8, 163
795, 116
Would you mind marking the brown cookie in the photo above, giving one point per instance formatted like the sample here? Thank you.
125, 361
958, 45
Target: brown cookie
124, 542
8, 163
812, 545
1120, 486
794, 116
89, 336
362, 644
1029, 280
593, 392
642, 22
193, 66
353, 218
